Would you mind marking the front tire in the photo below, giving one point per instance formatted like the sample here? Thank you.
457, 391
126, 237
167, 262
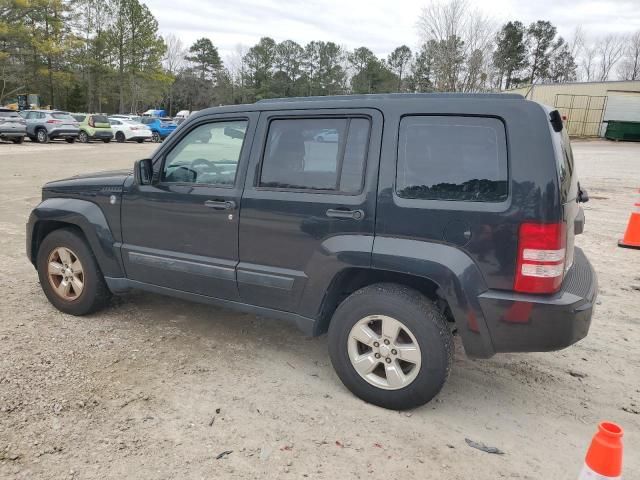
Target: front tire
17, 140
69, 274
155, 137
391, 346
106, 140
140, 140
70, 140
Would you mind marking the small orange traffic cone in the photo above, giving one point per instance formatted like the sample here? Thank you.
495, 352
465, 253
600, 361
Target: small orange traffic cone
604, 457
632, 234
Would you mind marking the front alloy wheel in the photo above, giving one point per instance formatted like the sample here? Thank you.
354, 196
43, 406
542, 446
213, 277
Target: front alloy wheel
156, 137
384, 352
69, 274
65, 273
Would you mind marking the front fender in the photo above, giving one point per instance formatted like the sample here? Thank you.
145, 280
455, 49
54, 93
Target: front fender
85, 215
457, 276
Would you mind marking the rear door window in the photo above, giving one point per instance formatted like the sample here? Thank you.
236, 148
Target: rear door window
452, 158
320, 154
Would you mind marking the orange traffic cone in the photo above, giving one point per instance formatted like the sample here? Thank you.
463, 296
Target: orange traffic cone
632, 235
604, 457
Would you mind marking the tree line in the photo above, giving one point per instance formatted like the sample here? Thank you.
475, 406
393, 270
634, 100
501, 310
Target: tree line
108, 56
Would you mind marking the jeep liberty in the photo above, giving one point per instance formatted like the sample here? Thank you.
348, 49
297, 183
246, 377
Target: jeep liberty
392, 222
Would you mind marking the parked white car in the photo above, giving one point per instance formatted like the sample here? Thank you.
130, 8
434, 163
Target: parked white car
125, 130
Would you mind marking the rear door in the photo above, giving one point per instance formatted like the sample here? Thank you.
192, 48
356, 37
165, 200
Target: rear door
308, 209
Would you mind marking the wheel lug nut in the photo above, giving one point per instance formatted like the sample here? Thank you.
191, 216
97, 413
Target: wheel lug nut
377, 355
376, 344
388, 360
386, 342
394, 351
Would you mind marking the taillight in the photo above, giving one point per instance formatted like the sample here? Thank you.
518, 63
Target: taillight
541, 257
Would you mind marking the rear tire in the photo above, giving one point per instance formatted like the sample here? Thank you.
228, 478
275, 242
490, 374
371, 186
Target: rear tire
106, 140
83, 137
140, 140
17, 140
93, 293
42, 136
120, 138
424, 338
155, 137
70, 140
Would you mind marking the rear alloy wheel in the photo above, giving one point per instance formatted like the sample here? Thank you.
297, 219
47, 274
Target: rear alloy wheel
69, 274
120, 138
384, 352
156, 137
83, 137
42, 136
391, 346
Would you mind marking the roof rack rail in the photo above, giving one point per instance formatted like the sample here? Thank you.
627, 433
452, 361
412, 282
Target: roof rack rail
386, 96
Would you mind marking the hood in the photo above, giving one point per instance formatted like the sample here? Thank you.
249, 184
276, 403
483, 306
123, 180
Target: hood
90, 182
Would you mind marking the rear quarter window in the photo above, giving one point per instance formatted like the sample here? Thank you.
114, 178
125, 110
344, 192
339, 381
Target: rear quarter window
452, 158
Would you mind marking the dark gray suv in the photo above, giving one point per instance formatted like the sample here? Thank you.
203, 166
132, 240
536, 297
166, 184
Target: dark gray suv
418, 218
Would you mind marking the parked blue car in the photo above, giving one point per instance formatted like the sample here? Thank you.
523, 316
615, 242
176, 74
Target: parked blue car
160, 127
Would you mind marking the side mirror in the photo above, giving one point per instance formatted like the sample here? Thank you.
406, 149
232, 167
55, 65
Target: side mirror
143, 171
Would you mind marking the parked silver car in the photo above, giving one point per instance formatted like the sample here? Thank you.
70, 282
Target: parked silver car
12, 126
45, 125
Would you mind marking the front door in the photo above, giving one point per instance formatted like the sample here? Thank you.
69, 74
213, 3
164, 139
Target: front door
308, 209
181, 232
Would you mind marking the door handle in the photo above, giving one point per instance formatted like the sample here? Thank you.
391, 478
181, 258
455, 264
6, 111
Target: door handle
220, 204
347, 214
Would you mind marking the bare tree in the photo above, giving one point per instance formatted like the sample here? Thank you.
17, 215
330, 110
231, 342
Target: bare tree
173, 59
630, 67
462, 39
610, 49
588, 63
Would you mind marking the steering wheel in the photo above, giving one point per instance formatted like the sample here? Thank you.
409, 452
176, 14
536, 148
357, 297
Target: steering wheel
190, 171
203, 161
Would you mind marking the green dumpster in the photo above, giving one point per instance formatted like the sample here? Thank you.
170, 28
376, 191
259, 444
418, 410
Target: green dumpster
619, 130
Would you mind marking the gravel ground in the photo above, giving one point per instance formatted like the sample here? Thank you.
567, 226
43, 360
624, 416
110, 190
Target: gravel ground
157, 388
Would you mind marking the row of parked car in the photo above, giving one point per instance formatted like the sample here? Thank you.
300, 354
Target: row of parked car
41, 126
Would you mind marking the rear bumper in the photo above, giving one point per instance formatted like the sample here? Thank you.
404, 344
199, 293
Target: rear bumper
66, 133
13, 133
101, 135
532, 323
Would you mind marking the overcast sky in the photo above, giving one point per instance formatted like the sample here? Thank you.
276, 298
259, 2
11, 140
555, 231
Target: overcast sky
380, 25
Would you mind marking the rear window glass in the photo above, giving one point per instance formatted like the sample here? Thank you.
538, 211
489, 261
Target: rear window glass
4, 113
79, 118
100, 119
452, 158
62, 116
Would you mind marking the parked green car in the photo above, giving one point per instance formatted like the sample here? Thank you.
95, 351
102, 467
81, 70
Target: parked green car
93, 127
